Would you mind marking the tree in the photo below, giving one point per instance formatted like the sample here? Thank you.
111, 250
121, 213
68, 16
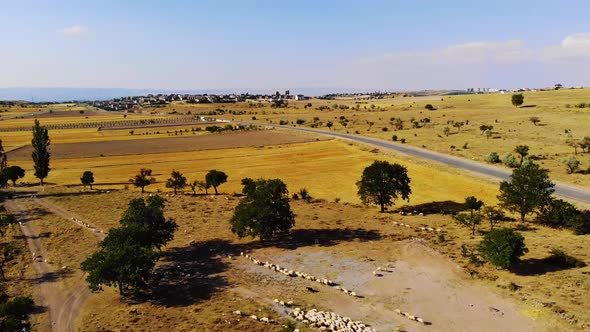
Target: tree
522, 151
3, 167
215, 178
87, 179
14, 313
473, 217
493, 158
143, 178
484, 127
458, 125
494, 215
446, 131
382, 182
574, 143
119, 263
517, 99
535, 120
40, 153
429, 107
502, 247
176, 181
6, 220
488, 133
264, 211
528, 190
146, 217
329, 124
13, 173
7, 253
200, 185
572, 164
127, 255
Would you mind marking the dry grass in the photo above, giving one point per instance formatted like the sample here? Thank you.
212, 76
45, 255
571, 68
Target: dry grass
349, 232
328, 169
511, 125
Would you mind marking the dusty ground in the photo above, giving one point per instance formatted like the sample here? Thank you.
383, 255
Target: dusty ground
231, 140
343, 242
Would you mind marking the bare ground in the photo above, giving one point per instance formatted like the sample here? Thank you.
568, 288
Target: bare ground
166, 145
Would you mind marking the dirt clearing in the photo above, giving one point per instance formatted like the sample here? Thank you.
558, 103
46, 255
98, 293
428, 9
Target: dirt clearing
166, 145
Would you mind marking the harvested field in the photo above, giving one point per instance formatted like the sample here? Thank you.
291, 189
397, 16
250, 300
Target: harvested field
167, 145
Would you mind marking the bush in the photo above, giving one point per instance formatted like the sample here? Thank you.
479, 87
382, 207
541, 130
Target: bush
394, 138
429, 107
511, 161
560, 258
572, 164
403, 140
384, 129
283, 122
300, 121
562, 214
502, 247
493, 158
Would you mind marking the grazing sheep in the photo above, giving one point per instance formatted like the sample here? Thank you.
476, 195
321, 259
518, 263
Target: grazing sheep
238, 312
420, 320
264, 319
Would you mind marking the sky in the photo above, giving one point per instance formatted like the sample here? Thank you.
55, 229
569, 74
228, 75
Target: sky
250, 44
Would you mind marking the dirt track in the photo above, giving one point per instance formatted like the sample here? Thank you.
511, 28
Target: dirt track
63, 308
166, 145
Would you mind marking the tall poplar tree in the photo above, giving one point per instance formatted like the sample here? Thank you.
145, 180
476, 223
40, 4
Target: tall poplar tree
40, 153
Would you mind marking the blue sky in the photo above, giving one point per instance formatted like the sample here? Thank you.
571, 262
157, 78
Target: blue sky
289, 44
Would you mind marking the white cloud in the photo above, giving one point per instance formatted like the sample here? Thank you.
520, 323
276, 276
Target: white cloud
572, 47
75, 30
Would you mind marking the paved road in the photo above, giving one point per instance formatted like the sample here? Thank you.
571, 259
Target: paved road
564, 190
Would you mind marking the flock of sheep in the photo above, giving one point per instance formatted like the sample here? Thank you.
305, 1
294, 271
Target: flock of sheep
424, 229
411, 317
329, 321
87, 225
304, 275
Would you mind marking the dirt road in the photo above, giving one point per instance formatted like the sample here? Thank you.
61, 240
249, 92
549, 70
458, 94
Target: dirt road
63, 307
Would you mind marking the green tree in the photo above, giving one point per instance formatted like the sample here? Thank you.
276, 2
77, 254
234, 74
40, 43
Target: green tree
14, 313
127, 255
502, 247
473, 217
382, 182
215, 178
120, 263
522, 151
176, 181
572, 164
13, 173
143, 178
494, 215
517, 99
6, 219
147, 218
329, 124
199, 185
264, 211
7, 253
3, 167
528, 189
40, 153
87, 179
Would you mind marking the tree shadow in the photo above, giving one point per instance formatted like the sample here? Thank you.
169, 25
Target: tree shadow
442, 207
187, 275
538, 266
51, 276
528, 106
321, 237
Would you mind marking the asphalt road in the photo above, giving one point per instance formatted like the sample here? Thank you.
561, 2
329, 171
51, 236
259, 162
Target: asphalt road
567, 191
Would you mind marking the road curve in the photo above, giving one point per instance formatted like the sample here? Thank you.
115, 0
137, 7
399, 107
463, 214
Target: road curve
567, 191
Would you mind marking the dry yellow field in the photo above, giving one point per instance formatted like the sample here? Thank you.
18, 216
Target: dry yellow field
328, 169
512, 127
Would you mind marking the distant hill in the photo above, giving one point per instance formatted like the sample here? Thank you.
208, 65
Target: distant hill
67, 94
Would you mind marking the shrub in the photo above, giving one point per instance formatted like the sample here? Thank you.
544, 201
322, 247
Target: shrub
562, 214
384, 129
394, 138
403, 140
502, 247
572, 164
466, 145
493, 158
300, 121
429, 107
283, 122
304, 194
511, 161
560, 258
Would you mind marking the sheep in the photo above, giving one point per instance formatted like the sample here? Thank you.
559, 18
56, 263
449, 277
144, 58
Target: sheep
420, 320
264, 319
253, 317
237, 312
